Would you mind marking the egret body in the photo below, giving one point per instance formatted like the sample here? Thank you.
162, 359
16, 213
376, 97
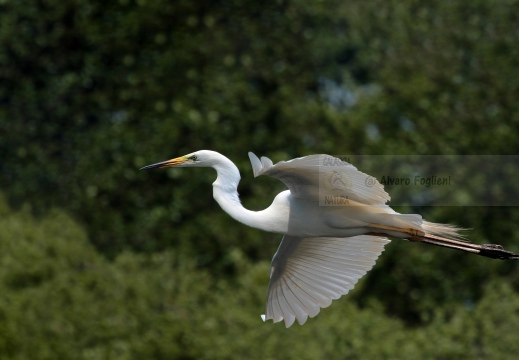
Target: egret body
325, 249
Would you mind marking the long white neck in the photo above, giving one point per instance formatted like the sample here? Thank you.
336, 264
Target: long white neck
225, 192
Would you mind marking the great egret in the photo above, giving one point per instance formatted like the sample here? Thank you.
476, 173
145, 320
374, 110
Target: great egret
325, 249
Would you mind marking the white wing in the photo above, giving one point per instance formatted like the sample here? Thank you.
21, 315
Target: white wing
308, 273
313, 176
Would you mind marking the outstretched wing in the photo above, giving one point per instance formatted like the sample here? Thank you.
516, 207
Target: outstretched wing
315, 176
308, 273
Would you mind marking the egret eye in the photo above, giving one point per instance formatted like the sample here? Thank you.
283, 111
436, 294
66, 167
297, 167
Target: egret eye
193, 158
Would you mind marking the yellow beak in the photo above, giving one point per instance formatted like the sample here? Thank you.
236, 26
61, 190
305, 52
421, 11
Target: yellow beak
167, 163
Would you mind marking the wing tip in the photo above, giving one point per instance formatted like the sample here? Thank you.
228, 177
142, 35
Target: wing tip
257, 166
289, 320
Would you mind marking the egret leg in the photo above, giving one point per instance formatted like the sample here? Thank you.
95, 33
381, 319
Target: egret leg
493, 251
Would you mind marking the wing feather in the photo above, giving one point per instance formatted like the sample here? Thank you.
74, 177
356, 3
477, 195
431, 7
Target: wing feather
314, 176
308, 273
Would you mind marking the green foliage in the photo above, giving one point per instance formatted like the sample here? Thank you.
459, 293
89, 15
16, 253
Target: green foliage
446, 67
91, 91
107, 89
67, 301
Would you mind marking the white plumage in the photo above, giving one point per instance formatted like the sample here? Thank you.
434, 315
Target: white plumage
325, 249
308, 273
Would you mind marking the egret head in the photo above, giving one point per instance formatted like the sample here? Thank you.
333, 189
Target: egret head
202, 158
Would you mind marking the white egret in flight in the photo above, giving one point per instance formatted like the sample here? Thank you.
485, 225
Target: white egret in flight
325, 249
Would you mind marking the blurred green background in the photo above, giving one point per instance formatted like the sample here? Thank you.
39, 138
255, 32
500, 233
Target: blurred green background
101, 261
